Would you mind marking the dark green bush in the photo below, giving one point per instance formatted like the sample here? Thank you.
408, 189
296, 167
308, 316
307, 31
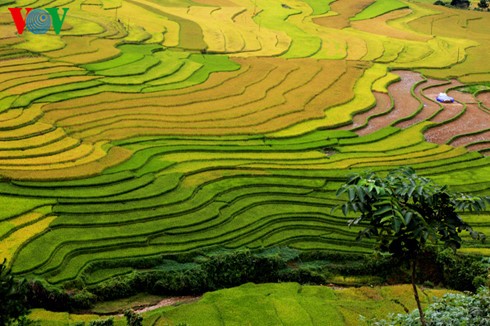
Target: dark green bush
197, 273
462, 272
132, 318
102, 322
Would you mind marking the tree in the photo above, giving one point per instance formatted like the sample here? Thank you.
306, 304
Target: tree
132, 318
102, 322
13, 302
404, 212
483, 4
460, 3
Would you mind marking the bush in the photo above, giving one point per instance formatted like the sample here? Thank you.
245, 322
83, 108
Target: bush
450, 310
240, 267
13, 305
132, 318
198, 272
42, 295
461, 272
439, 3
102, 322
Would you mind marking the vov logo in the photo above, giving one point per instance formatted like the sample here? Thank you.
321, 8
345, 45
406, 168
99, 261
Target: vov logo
38, 21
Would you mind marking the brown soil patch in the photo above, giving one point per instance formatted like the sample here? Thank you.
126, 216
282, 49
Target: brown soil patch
345, 10
449, 109
484, 99
379, 25
481, 147
466, 140
430, 107
383, 105
169, 302
472, 120
462, 97
404, 103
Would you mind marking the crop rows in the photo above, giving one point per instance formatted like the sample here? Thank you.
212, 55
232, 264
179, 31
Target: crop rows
207, 126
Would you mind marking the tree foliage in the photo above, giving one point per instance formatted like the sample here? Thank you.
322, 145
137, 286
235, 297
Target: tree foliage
404, 211
13, 305
483, 4
132, 318
453, 309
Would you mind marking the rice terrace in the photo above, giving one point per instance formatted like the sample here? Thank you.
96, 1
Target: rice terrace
148, 144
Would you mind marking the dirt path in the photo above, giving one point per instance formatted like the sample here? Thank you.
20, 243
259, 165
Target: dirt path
168, 302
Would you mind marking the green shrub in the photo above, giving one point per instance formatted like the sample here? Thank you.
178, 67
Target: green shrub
461, 272
450, 310
102, 322
132, 318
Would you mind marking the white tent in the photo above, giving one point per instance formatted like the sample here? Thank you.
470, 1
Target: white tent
444, 98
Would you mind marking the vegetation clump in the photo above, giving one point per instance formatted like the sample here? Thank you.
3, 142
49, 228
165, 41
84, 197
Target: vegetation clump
453, 309
13, 299
404, 213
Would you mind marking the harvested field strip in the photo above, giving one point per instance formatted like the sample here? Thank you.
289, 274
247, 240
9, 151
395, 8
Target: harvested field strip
379, 8
362, 123
381, 25
430, 107
343, 10
469, 138
471, 120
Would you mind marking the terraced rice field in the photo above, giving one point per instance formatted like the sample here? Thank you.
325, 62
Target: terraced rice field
273, 304
154, 127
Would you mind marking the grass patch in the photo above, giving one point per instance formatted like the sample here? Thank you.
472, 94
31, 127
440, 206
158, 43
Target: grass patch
378, 8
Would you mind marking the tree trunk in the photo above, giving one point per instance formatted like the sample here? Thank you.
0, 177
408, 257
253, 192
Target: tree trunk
416, 294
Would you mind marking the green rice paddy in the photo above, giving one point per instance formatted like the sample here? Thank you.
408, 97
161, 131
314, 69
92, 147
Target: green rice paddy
229, 125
